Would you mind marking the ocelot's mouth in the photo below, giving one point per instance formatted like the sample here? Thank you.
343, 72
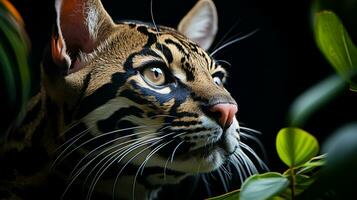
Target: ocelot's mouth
209, 148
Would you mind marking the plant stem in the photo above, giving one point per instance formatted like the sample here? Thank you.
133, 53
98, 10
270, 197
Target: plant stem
292, 185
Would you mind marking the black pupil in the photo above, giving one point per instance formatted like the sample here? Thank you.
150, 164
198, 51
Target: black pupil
156, 72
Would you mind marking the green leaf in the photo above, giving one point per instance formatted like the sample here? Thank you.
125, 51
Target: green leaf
234, 195
14, 68
263, 186
296, 146
339, 173
315, 162
335, 43
315, 98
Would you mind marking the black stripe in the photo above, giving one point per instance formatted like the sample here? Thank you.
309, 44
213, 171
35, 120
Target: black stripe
166, 51
189, 71
184, 123
186, 114
134, 97
151, 36
110, 123
101, 95
33, 113
178, 46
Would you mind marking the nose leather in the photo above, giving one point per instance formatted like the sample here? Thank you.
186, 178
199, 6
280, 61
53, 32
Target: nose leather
226, 113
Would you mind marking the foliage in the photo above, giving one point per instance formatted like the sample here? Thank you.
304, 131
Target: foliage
310, 176
14, 50
335, 43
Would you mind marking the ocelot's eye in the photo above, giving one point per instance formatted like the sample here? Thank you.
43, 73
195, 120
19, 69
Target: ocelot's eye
154, 75
217, 81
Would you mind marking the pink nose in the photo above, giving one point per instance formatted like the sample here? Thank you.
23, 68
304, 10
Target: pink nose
226, 113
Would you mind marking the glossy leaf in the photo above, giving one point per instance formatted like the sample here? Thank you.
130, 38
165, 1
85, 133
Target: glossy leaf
314, 98
315, 162
263, 186
335, 43
340, 167
296, 146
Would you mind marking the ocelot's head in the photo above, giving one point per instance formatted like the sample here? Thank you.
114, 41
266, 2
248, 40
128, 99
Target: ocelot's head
149, 94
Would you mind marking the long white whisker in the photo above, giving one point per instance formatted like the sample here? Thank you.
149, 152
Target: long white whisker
80, 135
233, 41
250, 150
110, 148
105, 166
132, 158
222, 180
174, 151
159, 140
142, 166
226, 35
60, 158
85, 166
236, 164
250, 130
207, 185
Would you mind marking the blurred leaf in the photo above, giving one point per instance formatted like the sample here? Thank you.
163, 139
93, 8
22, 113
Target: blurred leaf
296, 146
302, 182
314, 98
263, 186
14, 50
339, 173
315, 162
335, 43
234, 195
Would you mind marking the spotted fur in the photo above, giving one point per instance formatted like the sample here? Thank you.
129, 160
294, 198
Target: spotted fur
98, 128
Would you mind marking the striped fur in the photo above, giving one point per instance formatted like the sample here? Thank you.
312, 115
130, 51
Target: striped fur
103, 129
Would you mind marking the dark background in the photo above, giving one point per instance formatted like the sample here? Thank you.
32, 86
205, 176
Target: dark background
269, 69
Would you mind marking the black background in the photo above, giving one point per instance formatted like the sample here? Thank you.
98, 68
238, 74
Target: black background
269, 69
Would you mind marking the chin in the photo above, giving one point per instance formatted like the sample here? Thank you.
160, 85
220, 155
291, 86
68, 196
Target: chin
200, 162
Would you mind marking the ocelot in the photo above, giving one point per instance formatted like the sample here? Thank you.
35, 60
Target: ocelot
124, 109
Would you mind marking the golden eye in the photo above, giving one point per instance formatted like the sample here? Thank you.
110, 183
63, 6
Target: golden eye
154, 75
217, 81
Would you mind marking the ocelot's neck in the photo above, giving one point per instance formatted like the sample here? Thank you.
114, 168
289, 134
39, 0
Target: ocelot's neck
40, 125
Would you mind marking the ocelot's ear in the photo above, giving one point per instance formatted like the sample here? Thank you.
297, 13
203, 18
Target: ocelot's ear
201, 23
80, 27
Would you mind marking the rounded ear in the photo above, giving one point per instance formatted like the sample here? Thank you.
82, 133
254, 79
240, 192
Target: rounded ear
201, 23
80, 26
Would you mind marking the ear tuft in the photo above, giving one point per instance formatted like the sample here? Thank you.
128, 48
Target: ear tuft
201, 23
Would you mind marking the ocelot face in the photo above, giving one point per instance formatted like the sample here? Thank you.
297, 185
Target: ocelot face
150, 95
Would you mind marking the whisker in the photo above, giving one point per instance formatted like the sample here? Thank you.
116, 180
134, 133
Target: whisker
224, 61
250, 150
206, 183
132, 158
236, 164
225, 187
142, 166
92, 139
75, 176
116, 179
174, 151
233, 41
226, 35
250, 130
80, 135
108, 149
257, 141
111, 161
